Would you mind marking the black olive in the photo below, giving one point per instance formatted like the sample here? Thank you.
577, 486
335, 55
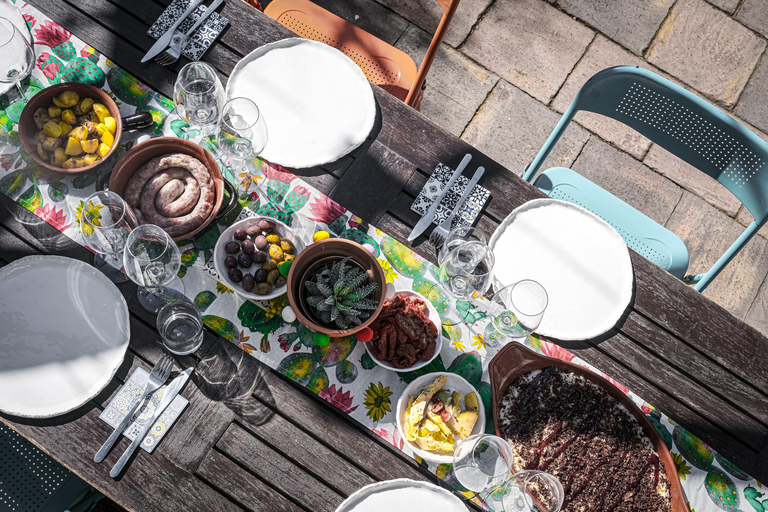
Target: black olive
244, 260
240, 234
248, 247
260, 275
230, 261
232, 247
259, 257
235, 274
248, 282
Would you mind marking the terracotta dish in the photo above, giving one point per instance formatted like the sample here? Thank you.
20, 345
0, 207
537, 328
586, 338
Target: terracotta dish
142, 153
515, 360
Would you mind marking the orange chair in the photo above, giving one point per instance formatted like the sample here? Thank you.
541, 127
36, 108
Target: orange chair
383, 64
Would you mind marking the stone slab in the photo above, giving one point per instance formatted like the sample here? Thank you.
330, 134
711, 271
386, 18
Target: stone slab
628, 179
369, 16
456, 86
692, 179
707, 232
727, 5
757, 316
745, 219
531, 44
753, 104
707, 49
427, 14
631, 23
511, 127
754, 14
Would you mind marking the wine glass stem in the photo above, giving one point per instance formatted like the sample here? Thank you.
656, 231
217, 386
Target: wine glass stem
21, 91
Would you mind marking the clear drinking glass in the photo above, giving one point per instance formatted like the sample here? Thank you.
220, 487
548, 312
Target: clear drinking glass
105, 223
482, 462
152, 259
532, 491
241, 136
16, 55
181, 326
199, 97
516, 311
458, 236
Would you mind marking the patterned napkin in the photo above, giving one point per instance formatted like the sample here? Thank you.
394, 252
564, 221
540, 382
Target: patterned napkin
469, 211
129, 395
203, 37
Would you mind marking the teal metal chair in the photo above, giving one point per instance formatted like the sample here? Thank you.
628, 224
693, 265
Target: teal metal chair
686, 126
31, 481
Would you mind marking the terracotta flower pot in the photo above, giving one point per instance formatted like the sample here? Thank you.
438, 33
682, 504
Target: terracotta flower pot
324, 252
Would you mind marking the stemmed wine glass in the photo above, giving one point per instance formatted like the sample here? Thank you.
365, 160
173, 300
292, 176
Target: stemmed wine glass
532, 491
198, 97
482, 462
16, 55
241, 136
105, 223
516, 311
457, 236
465, 273
152, 259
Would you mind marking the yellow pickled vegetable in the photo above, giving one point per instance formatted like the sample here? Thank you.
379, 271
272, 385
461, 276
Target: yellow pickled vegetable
59, 156
85, 106
103, 149
79, 132
90, 159
107, 138
101, 111
65, 128
54, 111
52, 129
59, 103
111, 124
68, 99
68, 116
89, 146
74, 147
68, 163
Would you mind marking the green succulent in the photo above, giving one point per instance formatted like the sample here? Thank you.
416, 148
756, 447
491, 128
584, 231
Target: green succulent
339, 294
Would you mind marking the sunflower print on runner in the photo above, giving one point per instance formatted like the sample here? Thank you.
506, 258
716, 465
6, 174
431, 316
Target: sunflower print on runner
377, 401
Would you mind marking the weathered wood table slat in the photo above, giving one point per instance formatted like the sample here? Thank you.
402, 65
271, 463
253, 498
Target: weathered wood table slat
254, 440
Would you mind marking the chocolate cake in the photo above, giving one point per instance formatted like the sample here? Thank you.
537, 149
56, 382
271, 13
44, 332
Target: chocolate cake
564, 424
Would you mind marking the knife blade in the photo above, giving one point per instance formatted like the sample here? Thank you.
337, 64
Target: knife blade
165, 40
429, 216
467, 191
170, 392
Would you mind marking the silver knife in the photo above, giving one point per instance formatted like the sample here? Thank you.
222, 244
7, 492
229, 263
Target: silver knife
165, 40
428, 217
170, 392
446, 224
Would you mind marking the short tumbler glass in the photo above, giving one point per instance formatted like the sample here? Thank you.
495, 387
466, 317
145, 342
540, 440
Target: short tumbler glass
181, 327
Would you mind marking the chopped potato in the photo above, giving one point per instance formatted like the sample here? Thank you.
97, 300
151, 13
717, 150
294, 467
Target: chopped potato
68, 99
58, 156
52, 129
40, 117
101, 111
54, 112
79, 132
68, 117
39, 136
90, 159
84, 107
107, 138
111, 124
90, 145
58, 103
103, 149
42, 153
51, 143
65, 128
74, 147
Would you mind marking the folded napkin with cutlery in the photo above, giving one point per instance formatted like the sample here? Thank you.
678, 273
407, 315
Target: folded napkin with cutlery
471, 208
128, 395
203, 37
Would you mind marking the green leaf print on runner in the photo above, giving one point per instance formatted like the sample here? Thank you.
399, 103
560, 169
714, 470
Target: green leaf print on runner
222, 327
12, 183
204, 299
405, 261
297, 367
31, 199
751, 495
731, 469
693, 449
257, 320
129, 89
721, 490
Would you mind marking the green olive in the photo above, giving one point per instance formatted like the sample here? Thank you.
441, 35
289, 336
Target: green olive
286, 245
269, 265
262, 288
275, 252
272, 276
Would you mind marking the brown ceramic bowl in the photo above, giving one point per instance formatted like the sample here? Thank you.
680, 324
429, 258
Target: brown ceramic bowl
323, 252
28, 128
514, 360
144, 152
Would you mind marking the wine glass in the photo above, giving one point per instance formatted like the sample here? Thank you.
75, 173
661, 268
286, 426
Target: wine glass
465, 273
482, 462
198, 97
532, 491
105, 223
458, 236
516, 311
152, 259
241, 136
16, 55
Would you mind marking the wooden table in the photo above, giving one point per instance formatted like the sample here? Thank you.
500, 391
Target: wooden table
252, 439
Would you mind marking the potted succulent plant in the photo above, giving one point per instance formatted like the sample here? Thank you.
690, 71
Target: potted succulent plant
336, 287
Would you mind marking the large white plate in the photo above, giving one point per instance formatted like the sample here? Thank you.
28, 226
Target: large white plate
64, 329
316, 102
11, 13
402, 494
581, 261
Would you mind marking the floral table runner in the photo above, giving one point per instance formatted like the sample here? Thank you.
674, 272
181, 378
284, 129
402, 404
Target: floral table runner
341, 372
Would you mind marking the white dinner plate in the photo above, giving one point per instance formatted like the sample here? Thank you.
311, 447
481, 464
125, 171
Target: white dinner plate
581, 261
316, 102
11, 13
64, 329
402, 494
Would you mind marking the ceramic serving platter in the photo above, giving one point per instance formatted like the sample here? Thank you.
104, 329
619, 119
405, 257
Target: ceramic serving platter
402, 494
316, 102
581, 261
65, 330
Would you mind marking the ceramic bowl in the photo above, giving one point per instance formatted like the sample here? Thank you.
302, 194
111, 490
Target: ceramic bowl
454, 383
434, 316
219, 254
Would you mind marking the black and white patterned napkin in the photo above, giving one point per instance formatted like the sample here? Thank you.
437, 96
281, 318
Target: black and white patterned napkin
198, 42
469, 210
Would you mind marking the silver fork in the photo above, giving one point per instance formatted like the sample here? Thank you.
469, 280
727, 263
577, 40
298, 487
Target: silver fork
440, 233
157, 378
173, 53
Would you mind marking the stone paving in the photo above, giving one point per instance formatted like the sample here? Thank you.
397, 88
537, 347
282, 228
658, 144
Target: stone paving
509, 68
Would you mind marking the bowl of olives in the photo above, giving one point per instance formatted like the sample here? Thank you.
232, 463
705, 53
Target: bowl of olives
253, 257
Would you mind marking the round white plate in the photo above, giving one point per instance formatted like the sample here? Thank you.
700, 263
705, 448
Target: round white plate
454, 383
580, 260
65, 329
220, 254
316, 102
435, 317
402, 494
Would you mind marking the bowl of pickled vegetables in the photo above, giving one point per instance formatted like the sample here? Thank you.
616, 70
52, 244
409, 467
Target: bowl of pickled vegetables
70, 127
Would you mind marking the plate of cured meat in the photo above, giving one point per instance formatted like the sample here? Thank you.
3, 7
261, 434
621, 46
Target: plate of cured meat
172, 183
566, 420
406, 333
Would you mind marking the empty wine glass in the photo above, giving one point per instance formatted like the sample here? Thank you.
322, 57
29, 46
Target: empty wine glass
458, 236
516, 311
105, 223
532, 491
482, 462
241, 136
152, 259
198, 97
16, 55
